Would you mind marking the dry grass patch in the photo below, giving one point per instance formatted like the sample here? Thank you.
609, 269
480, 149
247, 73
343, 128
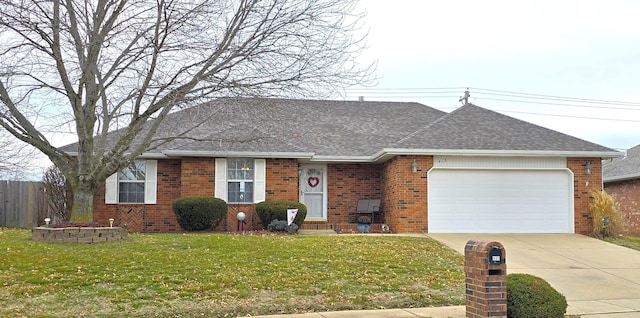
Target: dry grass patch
174, 275
632, 242
607, 220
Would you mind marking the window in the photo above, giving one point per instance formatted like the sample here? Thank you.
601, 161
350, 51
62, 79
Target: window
131, 183
240, 177
240, 180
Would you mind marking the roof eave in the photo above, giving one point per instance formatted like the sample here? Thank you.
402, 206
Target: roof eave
380, 156
144, 155
252, 154
389, 152
354, 159
621, 178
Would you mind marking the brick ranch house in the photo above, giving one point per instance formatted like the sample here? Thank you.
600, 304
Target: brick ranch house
471, 170
622, 180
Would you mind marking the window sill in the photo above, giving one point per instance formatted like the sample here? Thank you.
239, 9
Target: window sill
128, 203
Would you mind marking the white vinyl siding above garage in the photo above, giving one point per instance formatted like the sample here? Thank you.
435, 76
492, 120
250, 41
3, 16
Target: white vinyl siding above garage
500, 195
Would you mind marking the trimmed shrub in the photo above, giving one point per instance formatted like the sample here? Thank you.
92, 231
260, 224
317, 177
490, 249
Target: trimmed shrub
530, 296
282, 226
603, 207
199, 213
277, 210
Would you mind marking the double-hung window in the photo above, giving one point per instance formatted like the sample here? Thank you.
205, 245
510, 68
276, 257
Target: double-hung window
240, 180
135, 183
240, 175
131, 182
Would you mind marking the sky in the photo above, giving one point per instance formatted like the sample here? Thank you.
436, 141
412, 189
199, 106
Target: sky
571, 66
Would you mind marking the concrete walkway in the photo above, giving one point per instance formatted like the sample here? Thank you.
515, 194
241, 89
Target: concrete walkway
599, 280
436, 312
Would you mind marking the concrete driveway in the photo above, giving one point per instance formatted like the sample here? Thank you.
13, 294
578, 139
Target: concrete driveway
596, 277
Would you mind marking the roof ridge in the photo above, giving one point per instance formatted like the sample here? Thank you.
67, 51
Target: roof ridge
241, 98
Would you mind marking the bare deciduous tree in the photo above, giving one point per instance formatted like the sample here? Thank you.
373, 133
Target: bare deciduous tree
15, 163
58, 194
94, 66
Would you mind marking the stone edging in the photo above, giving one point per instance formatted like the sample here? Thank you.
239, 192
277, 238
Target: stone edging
79, 234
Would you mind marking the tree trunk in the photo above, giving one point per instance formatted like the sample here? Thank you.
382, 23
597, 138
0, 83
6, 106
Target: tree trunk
82, 210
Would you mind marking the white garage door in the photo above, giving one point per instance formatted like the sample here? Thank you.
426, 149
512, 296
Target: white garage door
500, 201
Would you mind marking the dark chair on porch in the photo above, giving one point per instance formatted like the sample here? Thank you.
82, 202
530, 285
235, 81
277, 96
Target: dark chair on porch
367, 207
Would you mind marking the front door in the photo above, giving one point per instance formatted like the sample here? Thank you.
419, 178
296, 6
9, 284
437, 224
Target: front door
313, 191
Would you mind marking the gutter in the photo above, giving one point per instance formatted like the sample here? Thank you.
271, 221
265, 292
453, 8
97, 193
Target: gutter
144, 155
388, 152
180, 153
382, 155
621, 178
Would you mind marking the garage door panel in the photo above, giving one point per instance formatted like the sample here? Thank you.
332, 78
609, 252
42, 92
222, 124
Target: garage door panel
500, 201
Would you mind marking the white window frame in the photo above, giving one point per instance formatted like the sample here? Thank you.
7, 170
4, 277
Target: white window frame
259, 180
112, 185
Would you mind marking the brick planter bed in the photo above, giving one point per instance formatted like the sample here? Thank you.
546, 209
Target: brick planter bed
79, 234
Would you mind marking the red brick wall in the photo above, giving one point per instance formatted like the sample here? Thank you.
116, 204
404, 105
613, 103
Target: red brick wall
252, 222
145, 217
627, 195
485, 284
348, 183
582, 184
102, 212
197, 177
282, 179
281, 184
405, 193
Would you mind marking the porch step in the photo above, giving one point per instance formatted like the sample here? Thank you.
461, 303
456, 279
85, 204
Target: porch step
340, 228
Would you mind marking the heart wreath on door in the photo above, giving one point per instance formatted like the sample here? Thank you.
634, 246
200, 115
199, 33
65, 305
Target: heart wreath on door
313, 181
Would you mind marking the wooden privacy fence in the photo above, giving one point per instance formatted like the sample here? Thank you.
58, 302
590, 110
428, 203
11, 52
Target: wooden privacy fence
22, 204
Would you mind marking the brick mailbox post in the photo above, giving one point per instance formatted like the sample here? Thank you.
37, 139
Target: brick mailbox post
486, 284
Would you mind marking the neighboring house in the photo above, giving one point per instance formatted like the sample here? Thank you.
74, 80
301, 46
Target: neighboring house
622, 180
471, 170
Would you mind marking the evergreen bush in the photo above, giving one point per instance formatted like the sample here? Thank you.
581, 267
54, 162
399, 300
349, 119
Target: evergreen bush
277, 210
282, 226
199, 213
530, 296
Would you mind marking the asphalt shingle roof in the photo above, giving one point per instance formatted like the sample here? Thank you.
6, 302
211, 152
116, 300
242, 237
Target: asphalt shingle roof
352, 129
474, 128
623, 168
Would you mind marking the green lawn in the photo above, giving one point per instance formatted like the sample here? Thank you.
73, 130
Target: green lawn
169, 275
626, 241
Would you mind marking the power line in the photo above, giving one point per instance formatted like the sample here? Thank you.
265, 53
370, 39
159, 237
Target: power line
560, 104
481, 91
569, 116
555, 97
526, 98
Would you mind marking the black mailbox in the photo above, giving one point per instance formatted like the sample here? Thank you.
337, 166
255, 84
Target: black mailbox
495, 255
